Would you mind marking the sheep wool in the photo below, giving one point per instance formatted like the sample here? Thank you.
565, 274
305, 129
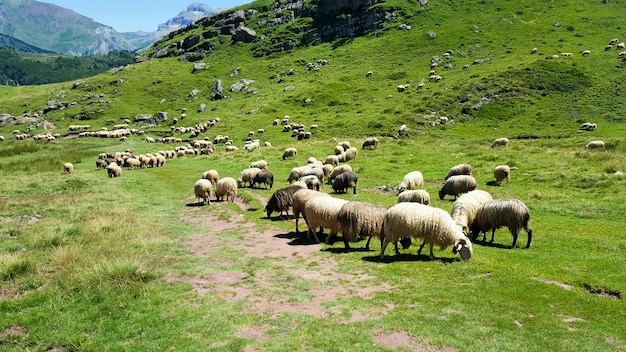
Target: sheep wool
263, 177
323, 212
412, 180
502, 172
299, 200
595, 145
344, 181
500, 142
68, 168
282, 199
415, 196
494, 214
370, 143
114, 170
203, 189
433, 225
226, 186
290, 153
360, 220
338, 171
261, 164
247, 176
461, 169
211, 175
456, 185
467, 205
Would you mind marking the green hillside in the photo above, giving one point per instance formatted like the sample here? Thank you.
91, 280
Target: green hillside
91, 263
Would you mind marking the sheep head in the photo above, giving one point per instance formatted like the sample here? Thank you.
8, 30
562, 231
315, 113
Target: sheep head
463, 246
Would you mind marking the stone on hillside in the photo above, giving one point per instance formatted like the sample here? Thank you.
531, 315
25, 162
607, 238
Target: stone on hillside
228, 29
244, 34
236, 18
194, 94
241, 85
149, 120
197, 66
218, 91
289, 88
235, 72
405, 27
202, 107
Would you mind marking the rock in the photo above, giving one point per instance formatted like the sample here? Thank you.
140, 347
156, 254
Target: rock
244, 34
194, 93
218, 91
326, 7
236, 18
405, 27
289, 88
431, 34
228, 29
197, 66
235, 72
241, 85
202, 107
148, 120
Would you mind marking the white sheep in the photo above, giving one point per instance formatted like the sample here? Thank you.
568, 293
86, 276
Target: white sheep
502, 172
203, 189
315, 171
312, 182
415, 195
339, 150
595, 145
114, 170
332, 160
323, 212
68, 168
587, 126
467, 205
586, 53
299, 199
247, 176
433, 225
461, 169
226, 186
494, 214
500, 142
290, 153
360, 220
260, 164
370, 142
412, 180
211, 175
455, 185
296, 173
132, 163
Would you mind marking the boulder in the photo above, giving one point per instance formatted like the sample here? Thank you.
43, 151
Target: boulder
218, 91
193, 94
241, 85
244, 34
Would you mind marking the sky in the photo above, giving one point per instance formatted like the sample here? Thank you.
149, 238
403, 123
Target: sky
135, 15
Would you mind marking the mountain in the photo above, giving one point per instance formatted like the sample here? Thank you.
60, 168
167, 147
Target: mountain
12, 43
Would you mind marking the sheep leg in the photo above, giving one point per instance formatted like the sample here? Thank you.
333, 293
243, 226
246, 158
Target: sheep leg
432, 256
530, 237
312, 231
493, 231
396, 245
330, 235
383, 245
419, 251
345, 242
514, 233
367, 245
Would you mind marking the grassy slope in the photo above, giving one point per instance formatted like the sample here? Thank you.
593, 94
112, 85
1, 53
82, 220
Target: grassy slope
573, 194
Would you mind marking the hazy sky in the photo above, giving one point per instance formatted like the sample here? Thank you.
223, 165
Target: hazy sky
134, 15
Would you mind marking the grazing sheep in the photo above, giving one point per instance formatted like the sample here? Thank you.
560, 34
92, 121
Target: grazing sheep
290, 153
68, 168
345, 145
101, 164
344, 181
231, 148
282, 199
339, 150
369, 74
370, 142
315, 171
328, 170
415, 196
114, 170
500, 142
338, 171
247, 176
412, 180
263, 177
211, 175
322, 212
296, 173
332, 160
261, 164
455, 185
312, 182
467, 205
433, 225
502, 172
494, 214
587, 126
300, 197
132, 163
203, 189
620, 46
595, 145
226, 186
586, 52
461, 169
360, 220
533, 51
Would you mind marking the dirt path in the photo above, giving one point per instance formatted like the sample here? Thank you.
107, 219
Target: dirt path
301, 271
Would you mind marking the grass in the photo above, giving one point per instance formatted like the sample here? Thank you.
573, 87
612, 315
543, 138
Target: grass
83, 257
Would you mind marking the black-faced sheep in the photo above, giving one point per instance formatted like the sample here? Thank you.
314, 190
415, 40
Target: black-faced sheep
68, 168
467, 205
433, 226
595, 145
461, 169
290, 153
344, 181
300, 198
322, 212
360, 220
415, 196
263, 177
226, 186
338, 171
312, 182
282, 200
370, 142
315, 171
502, 172
500, 142
261, 164
114, 170
247, 176
494, 214
456, 185
587, 126
203, 189
412, 180
211, 175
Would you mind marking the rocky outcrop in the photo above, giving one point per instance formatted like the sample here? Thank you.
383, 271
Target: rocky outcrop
148, 120
217, 92
329, 7
244, 34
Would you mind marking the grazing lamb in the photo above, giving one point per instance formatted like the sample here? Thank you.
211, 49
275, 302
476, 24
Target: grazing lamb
300, 197
290, 153
263, 177
433, 225
457, 184
500, 142
203, 189
323, 212
415, 196
461, 169
494, 214
344, 181
211, 175
467, 205
282, 200
247, 176
226, 186
595, 145
502, 172
68, 168
412, 180
370, 142
360, 220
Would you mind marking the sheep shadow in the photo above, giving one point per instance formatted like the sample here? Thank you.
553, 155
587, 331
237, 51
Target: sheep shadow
296, 239
196, 204
342, 250
406, 257
279, 218
485, 243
